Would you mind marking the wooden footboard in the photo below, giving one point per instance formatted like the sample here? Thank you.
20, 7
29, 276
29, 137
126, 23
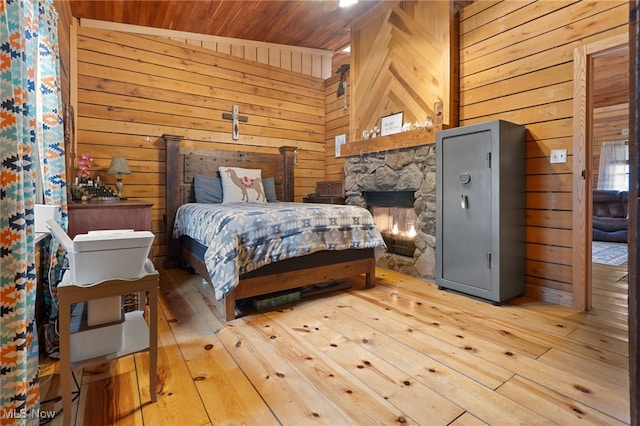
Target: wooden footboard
287, 274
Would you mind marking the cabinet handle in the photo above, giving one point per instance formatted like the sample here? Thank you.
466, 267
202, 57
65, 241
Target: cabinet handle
464, 202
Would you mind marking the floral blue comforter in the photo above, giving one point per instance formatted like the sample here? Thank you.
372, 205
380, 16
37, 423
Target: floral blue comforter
242, 237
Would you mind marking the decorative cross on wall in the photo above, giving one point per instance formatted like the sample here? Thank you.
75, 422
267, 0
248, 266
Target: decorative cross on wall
234, 117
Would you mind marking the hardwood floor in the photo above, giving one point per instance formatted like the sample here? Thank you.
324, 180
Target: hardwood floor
400, 353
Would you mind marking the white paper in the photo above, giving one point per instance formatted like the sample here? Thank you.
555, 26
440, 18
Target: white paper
340, 140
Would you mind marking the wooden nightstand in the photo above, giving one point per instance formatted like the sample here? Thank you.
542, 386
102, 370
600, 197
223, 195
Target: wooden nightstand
324, 199
93, 216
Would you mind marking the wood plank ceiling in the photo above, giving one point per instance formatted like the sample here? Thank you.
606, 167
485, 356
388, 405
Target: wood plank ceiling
314, 24
319, 24
611, 78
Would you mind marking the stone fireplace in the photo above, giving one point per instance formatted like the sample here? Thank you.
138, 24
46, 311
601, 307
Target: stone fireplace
407, 171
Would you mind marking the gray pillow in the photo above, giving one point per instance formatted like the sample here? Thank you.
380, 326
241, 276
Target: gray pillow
269, 185
207, 189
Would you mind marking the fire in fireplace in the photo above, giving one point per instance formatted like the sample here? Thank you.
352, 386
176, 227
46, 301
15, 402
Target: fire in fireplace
395, 217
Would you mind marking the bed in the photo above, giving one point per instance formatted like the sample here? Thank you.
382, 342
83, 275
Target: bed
184, 164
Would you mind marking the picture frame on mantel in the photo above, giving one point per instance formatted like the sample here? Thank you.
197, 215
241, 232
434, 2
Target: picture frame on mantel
391, 124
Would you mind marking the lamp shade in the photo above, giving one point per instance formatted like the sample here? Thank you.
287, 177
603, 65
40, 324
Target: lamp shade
119, 166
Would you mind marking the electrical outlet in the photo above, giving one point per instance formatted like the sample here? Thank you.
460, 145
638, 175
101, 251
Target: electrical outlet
558, 156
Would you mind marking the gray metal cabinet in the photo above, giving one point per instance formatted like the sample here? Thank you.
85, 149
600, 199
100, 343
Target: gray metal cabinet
480, 210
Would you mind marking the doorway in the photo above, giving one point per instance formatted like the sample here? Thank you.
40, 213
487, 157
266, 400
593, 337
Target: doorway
600, 114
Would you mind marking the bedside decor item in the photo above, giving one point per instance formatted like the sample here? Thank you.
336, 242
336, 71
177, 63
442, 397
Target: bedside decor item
84, 164
119, 167
391, 124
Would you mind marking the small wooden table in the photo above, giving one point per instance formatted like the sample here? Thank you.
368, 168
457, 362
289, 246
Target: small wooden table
137, 335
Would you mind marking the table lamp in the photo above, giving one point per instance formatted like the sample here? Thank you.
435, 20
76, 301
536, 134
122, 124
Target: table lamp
119, 167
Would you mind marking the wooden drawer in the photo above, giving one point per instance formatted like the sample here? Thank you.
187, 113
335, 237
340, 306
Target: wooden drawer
85, 217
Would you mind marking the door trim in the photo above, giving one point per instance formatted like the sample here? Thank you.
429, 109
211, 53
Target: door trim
582, 166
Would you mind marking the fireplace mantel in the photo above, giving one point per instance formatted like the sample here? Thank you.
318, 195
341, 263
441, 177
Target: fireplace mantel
401, 140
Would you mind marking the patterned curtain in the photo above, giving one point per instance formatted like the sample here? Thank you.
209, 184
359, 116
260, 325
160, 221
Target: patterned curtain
23, 41
50, 142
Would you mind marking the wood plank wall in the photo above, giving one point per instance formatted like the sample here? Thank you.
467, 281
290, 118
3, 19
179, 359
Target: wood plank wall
313, 62
134, 88
401, 62
337, 123
516, 64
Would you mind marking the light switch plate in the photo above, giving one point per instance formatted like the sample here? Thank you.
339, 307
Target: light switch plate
558, 156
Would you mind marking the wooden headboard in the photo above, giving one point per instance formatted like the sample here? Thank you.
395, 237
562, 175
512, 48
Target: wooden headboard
182, 164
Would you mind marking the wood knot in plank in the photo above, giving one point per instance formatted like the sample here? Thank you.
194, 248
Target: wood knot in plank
582, 388
577, 410
208, 347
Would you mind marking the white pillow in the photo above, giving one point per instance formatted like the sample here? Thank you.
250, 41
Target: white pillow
242, 185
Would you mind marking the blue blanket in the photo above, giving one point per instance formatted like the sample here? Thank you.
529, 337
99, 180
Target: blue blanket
242, 237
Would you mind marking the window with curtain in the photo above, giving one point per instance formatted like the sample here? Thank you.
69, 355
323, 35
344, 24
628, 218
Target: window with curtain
614, 166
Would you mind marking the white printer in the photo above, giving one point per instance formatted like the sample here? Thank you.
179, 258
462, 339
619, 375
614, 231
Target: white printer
104, 255
100, 256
